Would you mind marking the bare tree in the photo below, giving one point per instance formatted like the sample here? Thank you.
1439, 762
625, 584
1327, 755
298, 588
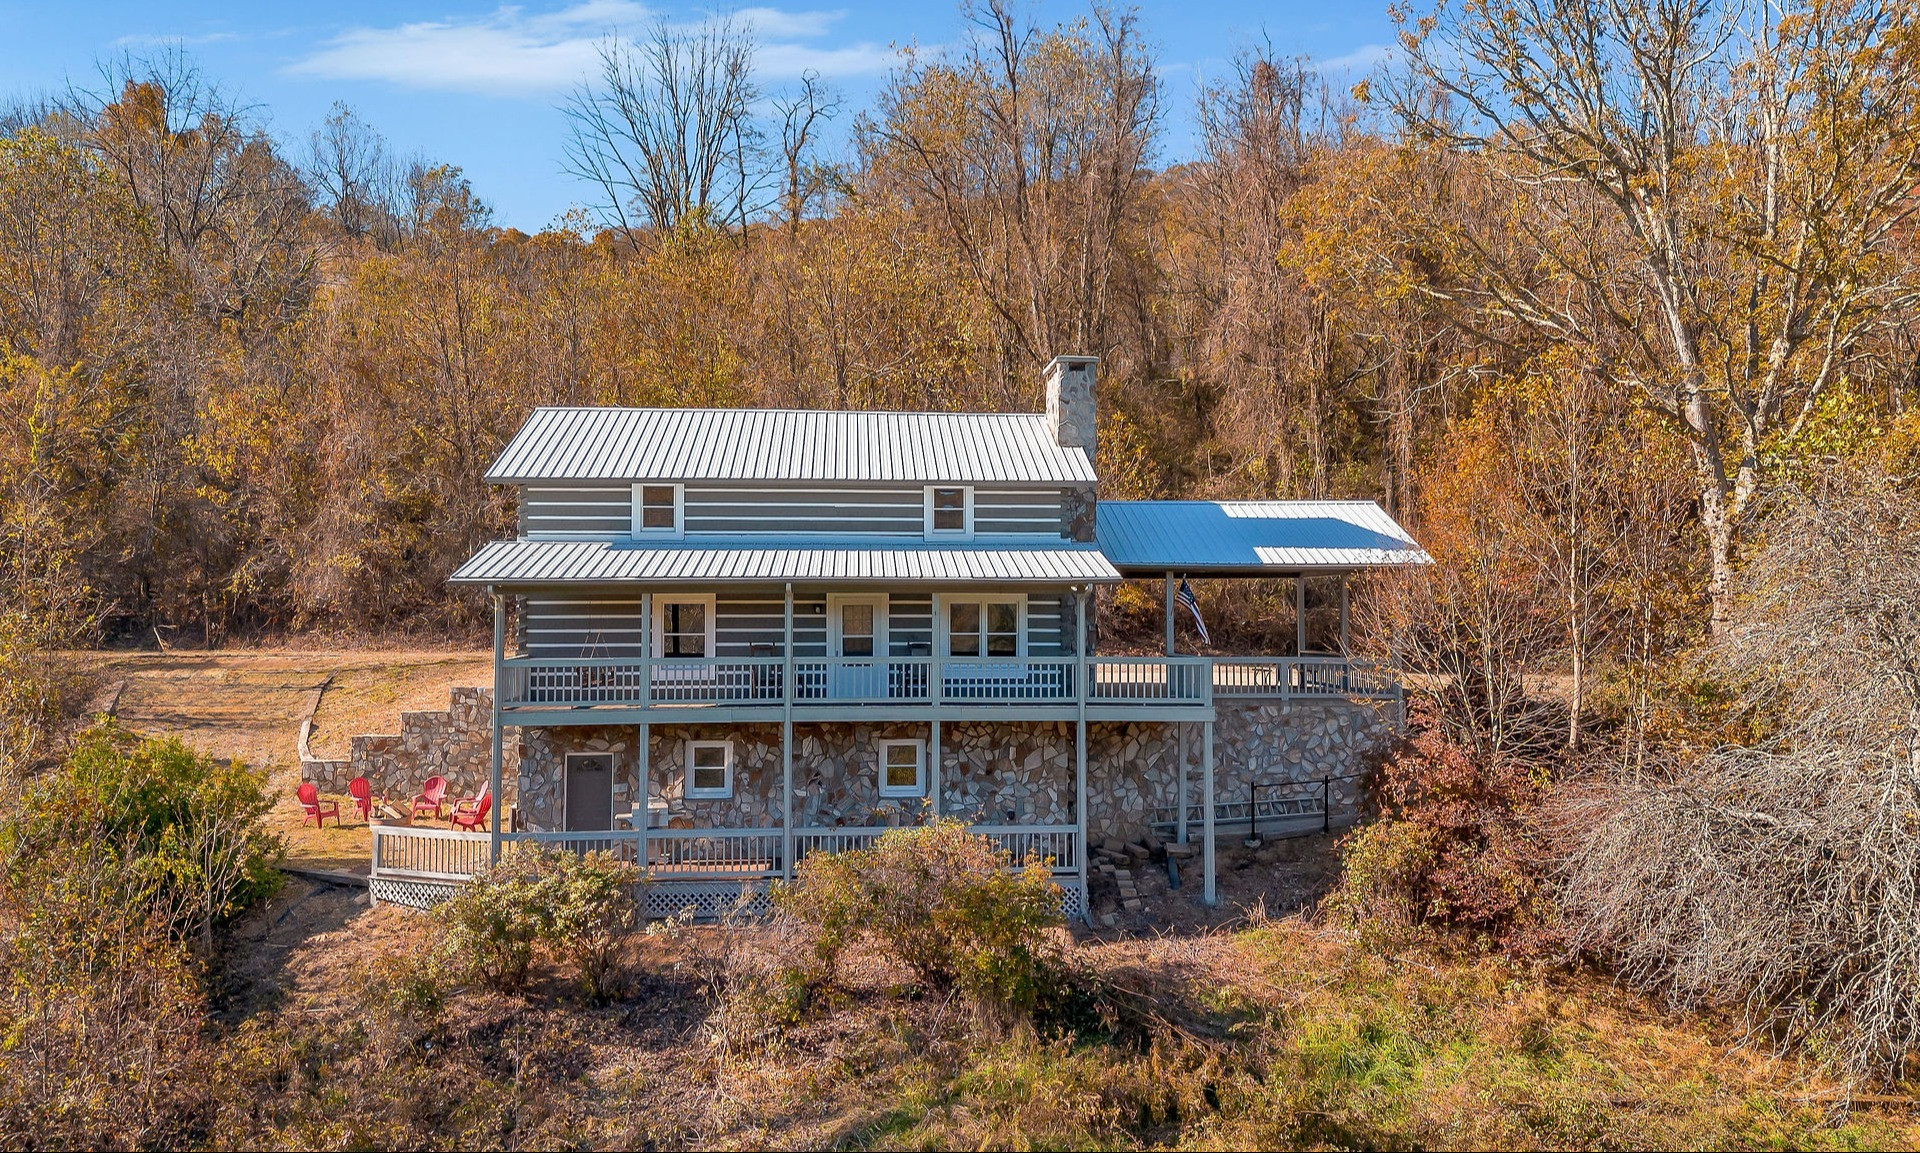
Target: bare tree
230, 212
803, 115
668, 133
355, 176
1756, 162
1785, 875
1030, 152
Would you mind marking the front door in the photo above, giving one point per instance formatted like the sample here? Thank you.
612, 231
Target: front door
589, 792
856, 629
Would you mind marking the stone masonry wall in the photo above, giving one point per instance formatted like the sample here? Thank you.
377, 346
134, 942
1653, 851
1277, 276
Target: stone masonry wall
456, 744
755, 803
990, 772
1134, 768
541, 792
995, 773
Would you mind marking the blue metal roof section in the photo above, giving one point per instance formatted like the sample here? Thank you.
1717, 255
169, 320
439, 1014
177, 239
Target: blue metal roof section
1145, 537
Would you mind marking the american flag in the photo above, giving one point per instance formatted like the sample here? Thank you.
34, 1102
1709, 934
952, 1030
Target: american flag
1193, 606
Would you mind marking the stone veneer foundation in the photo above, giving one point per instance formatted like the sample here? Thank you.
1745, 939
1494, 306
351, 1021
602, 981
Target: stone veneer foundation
989, 772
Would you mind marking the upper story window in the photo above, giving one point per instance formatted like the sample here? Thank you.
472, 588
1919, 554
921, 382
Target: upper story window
657, 509
949, 511
683, 625
982, 627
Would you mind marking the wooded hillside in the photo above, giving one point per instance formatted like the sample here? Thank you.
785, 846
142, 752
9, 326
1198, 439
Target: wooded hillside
252, 381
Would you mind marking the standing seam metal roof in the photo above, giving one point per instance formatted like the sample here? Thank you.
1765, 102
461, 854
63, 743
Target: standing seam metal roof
746, 444
593, 562
1251, 537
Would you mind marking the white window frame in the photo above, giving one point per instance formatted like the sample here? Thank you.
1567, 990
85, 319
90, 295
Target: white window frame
679, 511
659, 623
696, 794
945, 623
896, 792
881, 607
966, 497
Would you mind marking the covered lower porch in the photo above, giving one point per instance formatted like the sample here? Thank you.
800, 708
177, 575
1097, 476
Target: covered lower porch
709, 869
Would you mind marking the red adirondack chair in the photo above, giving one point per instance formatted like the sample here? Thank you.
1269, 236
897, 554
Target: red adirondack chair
362, 794
472, 814
432, 798
319, 810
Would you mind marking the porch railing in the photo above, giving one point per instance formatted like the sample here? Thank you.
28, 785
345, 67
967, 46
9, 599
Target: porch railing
406, 853
560, 682
1310, 676
534, 682
1059, 845
451, 855
1158, 680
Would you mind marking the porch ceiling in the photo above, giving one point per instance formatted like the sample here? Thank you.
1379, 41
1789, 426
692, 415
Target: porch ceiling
539, 562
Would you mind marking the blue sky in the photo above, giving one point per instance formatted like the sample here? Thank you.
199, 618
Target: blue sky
477, 84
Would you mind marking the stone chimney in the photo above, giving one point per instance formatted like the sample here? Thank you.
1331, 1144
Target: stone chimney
1070, 400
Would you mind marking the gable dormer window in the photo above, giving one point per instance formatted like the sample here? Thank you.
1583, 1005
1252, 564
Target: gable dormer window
657, 509
949, 512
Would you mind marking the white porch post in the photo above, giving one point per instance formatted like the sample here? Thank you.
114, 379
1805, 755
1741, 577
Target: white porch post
1170, 645
786, 739
647, 642
936, 670
1210, 866
1080, 742
643, 809
1181, 798
499, 736
934, 795
1300, 615
1345, 648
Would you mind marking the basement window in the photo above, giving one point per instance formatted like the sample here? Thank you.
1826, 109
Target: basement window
903, 768
709, 770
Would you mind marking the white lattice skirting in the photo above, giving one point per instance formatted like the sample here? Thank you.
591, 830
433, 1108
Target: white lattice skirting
410, 894
709, 902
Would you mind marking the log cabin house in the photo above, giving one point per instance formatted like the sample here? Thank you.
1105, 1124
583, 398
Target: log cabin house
725, 639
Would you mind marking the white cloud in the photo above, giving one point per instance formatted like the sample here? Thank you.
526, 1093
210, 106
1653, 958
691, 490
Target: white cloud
517, 53
1365, 58
145, 40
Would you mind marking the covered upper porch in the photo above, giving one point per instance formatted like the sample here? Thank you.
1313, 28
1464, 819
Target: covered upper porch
763, 629
1317, 545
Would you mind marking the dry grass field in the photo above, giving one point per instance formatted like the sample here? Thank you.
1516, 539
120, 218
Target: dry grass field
246, 704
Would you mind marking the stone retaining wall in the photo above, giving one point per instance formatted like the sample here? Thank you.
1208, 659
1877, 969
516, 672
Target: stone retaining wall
456, 743
1134, 768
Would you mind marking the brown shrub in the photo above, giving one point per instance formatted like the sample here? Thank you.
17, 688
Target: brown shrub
1458, 846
